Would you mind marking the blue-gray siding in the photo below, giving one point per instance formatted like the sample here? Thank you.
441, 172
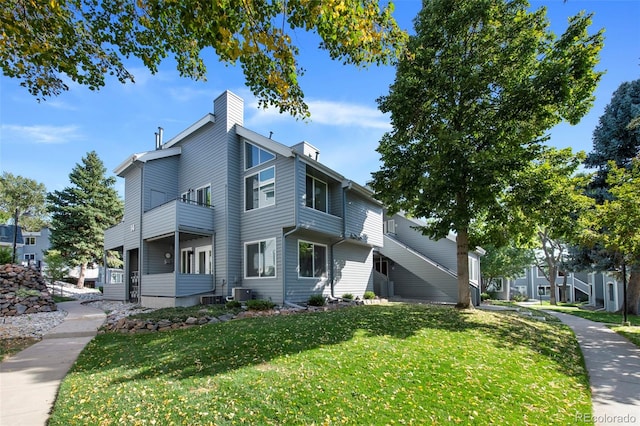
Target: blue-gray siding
364, 219
175, 215
132, 209
161, 181
353, 269
443, 251
298, 289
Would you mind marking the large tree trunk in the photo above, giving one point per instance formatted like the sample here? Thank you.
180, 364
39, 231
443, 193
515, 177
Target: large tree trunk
633, 291
553, 272
83, 271
464, 293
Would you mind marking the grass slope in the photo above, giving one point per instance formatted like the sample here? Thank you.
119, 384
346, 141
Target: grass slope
376, 364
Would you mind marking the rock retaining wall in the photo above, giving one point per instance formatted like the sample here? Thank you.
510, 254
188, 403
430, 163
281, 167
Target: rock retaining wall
135, 325
23, 290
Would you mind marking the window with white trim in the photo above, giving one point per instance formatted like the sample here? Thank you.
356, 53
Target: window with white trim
473, 269
254, 156
204, 260
186, 260
116, 277
312, 260
260, 189
29, 241
612, 294
316, 194
203, 195
260, 259
30, 257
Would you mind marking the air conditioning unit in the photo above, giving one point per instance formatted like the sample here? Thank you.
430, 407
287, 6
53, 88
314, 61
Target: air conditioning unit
241, 294
210, 299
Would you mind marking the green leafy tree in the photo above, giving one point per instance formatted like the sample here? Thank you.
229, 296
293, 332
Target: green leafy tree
81, 213
22, 200
44, 42
5, 255
616, 144
56, 266
480, 84
545, 202
615, 224
506, 262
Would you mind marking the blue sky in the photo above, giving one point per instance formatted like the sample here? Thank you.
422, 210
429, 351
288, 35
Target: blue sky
44, 141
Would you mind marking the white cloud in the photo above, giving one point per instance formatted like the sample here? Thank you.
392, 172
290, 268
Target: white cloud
56, 103
187, 94
40, 134
330, 113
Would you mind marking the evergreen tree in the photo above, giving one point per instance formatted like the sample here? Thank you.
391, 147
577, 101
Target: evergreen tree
617, 136
480, 84
81, 213
616, 145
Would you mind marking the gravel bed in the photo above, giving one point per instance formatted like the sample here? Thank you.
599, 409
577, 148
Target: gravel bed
30, 325
37, 325
117, 310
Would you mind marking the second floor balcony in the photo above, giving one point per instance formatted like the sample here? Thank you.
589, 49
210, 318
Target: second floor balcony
177, 215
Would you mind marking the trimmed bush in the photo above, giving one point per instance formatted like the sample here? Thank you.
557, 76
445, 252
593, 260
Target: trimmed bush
369, 295
233, 304
347, 296
517, 297
260, 305
317, 300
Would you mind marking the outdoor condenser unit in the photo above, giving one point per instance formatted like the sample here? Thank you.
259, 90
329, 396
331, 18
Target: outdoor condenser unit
241, 294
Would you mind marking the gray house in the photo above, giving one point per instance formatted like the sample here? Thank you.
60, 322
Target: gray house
533, 284
410, 265
35, 244
220, 211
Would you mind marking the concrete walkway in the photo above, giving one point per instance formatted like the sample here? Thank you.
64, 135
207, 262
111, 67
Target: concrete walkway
613, 364
29, 380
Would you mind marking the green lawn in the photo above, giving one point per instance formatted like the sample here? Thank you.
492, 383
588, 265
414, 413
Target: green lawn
598, 316
374, 364
613, 319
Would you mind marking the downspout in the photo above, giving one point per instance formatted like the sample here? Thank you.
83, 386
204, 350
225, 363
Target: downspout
296, 215
141, 250
213, 265
226, 242
341, 240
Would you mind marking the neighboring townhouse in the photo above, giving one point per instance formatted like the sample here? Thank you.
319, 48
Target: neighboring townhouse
35, 244
411, 265
533, 285
220, 211
608, 292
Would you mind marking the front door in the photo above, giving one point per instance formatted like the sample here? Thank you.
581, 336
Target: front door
134, 277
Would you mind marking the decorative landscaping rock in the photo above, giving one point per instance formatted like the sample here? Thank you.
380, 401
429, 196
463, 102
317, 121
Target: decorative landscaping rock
130, 325
23, 291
